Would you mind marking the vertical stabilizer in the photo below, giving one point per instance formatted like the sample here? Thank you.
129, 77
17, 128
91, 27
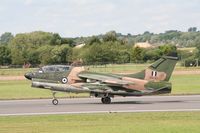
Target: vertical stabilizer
160, 70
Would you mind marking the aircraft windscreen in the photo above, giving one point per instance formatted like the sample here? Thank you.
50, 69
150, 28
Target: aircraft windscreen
47, 69
62, 69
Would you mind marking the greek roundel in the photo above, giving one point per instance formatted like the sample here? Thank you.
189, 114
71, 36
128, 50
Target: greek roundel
64, 80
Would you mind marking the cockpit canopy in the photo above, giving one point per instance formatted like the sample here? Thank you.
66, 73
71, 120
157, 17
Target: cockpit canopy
54, 68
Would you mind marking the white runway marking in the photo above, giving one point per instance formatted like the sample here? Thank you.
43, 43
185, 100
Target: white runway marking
96, 112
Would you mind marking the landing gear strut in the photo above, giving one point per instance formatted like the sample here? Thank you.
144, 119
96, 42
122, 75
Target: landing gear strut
106, 100
54, 101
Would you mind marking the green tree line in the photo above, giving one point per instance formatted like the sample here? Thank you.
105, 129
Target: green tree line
50, 48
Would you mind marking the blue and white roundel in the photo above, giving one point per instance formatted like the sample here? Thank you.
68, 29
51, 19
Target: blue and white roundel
64, 80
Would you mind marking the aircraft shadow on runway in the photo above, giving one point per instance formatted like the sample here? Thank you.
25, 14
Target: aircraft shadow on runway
141, 102
144, 102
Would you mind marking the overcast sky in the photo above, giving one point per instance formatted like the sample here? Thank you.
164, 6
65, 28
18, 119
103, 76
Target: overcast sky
72, 18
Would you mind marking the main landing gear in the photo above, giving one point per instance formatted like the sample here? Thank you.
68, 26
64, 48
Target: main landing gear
54, 101
106, 100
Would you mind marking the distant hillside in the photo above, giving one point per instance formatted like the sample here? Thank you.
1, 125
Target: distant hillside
174, 37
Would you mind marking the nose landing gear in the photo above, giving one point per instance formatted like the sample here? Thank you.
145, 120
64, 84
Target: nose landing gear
54, 101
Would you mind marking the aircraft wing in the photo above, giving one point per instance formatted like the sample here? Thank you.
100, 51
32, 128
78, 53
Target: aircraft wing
108, 79
93, 88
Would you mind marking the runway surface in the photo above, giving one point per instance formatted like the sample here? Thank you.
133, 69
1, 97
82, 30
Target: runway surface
94, 105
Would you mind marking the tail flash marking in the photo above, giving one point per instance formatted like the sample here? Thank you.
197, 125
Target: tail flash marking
154, 75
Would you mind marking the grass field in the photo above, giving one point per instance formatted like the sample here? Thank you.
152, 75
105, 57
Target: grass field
15, 71
153, 122
185, 84
182, 84
22, 90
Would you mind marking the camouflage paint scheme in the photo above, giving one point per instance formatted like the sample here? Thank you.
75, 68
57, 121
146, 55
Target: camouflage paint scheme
153, 80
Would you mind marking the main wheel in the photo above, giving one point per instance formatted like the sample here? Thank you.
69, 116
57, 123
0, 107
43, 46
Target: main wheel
106, 100
55, 101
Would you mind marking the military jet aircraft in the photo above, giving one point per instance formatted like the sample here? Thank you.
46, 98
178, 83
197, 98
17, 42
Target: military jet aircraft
61, 78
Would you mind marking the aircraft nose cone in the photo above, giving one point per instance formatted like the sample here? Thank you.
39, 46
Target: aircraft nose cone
28, 75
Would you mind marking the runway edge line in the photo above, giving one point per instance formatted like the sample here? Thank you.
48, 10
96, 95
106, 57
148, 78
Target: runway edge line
97, 112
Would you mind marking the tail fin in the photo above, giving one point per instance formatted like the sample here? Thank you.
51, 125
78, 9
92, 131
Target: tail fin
160, 70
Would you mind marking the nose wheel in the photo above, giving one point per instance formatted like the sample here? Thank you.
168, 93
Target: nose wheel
54, 101
106, 100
